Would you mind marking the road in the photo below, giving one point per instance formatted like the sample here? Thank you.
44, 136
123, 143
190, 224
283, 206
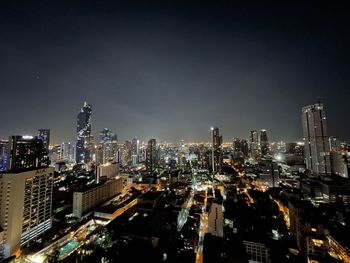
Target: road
203, 228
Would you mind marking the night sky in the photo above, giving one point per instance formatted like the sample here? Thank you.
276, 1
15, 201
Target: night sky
172, 69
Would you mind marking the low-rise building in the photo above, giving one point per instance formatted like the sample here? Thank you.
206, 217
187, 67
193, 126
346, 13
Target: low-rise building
87, 199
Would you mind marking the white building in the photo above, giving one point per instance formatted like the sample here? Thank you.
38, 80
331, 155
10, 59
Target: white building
108, 171
316, 139
86, 200
26, 207
216, 220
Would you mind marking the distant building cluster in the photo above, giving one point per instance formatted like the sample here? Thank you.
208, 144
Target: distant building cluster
187, 201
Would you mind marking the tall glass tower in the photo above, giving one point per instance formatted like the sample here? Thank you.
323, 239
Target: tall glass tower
317, 157
83, 134
216, 151
264, 143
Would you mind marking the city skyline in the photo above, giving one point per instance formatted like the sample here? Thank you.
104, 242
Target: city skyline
157, 70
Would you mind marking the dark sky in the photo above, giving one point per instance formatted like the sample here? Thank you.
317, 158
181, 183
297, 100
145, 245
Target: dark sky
172, 69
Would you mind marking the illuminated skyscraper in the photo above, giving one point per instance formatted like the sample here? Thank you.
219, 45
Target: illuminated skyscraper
135, 148
67, 151
264, 143
254, 145
83, 134
151, 155
3, 157
317, 157
44, 135
108, 146
26, 197
216, 151
245, 148
25, 153
236, 144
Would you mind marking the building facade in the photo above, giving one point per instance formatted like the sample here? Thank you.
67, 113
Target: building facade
83, 144
264, 143
216, 151
316, 147
26, 196
87, 199
151, 155
25, 153
44, 135
254, 145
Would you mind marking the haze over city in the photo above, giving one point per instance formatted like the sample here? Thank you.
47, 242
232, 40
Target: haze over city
174, 131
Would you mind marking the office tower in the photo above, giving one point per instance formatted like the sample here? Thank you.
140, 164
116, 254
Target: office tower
254, 145
3, 157
316, 146
109, 146
264, 143
216, 151
135, 148
26, 198
98, 156
83, 144
44, 135
334, 144
245, 148
55, 153
236, 145
67, 151
216, 220
25, 153
127, 153
151, 155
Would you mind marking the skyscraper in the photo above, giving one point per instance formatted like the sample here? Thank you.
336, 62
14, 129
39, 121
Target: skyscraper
135, 148
26, 197
67, 151
264, 143
83, 134
245, 148
151, 155
236, 144
254, 145
3, 157
44, 135
216, 151
108, 146
25, 153
317, 157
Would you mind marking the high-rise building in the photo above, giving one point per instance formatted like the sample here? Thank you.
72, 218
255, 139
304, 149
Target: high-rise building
216, 151
264, 143
127, 153
83, 145
334, 144
245, 148
241, 147
44, 135
108, 146
67, 151
151, 155
135, 149
216, 220
25, 153
254, 145
26, 198
3, 157
236, 144
317, 157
